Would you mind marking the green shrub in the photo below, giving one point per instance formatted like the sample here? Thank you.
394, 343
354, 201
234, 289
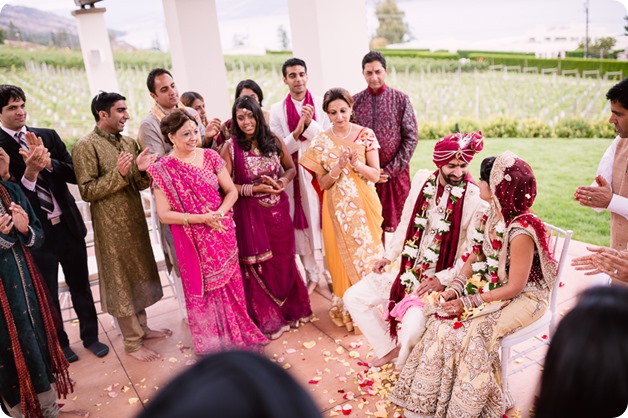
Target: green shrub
579, 64
464, 125
603, 129
573, 128
534, 128
501, 127
433, 130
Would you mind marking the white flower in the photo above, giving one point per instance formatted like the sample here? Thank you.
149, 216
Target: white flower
492, 262
478, 266
429, 190
477, 236
410, 252
430, 256
486, 288
500, 228
409, 279
420, 221
457, 191
442, 225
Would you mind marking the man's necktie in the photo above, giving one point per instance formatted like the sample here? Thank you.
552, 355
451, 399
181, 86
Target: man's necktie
41, 187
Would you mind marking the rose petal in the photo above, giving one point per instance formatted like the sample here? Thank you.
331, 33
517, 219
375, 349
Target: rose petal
309, 344
346, 409
113, 394
290, 350
133, 401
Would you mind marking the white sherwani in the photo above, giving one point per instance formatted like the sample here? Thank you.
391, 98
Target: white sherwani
310, 239
368, 299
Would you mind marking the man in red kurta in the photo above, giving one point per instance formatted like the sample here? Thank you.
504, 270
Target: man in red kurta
388, 112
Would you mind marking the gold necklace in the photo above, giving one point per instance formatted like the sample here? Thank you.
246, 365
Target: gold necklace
187, 161
343, 137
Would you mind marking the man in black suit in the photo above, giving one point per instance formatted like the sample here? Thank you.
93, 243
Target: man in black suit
41, 164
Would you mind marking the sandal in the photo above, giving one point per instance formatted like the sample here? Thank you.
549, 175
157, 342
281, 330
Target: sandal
348, 322
336, 316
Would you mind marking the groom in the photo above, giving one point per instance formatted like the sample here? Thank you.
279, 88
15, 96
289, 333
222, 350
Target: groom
432, 254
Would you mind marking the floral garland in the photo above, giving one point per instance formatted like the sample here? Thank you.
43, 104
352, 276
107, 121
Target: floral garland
488, 268
413, 276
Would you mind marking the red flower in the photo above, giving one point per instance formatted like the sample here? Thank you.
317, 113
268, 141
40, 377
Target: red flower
496, 244
480, 290
561, 284
466, 256
408, 264
494, 278
457, 324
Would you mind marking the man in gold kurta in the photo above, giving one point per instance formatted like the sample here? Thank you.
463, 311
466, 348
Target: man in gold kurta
110, 173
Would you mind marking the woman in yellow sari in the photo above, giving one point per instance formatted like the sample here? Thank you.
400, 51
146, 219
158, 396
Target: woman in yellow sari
345, 162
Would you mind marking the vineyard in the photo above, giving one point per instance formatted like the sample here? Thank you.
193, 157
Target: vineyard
502, 104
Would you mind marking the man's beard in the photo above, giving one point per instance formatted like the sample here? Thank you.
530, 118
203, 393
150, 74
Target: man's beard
451, 179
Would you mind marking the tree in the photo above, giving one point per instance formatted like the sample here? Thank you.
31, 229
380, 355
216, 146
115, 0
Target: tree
626, 26
601, 47
392, 25
284, 38
1, 36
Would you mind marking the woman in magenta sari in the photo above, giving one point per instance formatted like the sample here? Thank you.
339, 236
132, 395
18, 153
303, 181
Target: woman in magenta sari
186, 184
261, 168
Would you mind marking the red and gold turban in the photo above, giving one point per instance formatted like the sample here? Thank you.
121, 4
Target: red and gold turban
462, 146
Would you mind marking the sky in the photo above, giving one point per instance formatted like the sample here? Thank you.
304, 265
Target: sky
257, 22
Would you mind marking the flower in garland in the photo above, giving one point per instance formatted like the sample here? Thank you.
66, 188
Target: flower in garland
410, 250
457, 192
420, 222
409, 279
443, 225
430, 255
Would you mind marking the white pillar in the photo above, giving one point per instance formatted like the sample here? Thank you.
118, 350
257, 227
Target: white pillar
331, 36
197, 60
96, 48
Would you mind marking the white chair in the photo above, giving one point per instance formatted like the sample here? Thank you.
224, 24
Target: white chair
558, 240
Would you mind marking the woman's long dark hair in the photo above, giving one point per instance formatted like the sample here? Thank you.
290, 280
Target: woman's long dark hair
267, 141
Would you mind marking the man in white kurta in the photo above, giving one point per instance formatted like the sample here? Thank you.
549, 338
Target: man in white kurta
311, 120
610, 189
367, 300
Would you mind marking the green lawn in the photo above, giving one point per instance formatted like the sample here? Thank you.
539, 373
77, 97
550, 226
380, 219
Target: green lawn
560, 165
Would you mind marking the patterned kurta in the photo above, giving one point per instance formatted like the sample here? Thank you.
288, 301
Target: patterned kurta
390, 115
129, 280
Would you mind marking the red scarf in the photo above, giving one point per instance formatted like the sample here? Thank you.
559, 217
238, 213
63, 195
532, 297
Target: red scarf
448, 247
29, 403
300, 221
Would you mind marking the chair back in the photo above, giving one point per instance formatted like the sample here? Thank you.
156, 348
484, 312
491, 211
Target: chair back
558, 243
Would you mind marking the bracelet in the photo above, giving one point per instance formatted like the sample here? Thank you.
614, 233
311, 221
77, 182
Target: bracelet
186, 222
284, 181
246, 190
355, 167
335, 178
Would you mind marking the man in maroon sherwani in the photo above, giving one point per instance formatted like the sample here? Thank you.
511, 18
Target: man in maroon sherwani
388, 112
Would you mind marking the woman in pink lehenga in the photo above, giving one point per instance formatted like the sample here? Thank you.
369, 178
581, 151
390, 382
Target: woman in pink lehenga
186, 184
262, 168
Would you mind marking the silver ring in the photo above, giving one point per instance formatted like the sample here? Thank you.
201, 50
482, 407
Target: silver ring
615, 271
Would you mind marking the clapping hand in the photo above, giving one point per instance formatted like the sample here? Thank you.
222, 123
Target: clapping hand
6, 224
144, 160
125, 159
20, 217
213, 127
4, 165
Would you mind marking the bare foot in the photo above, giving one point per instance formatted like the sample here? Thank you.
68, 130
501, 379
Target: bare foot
158, 333
144, 354
387, 358
74, 413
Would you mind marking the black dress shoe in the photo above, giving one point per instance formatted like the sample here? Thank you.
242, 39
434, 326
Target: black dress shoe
69, 354
99, 349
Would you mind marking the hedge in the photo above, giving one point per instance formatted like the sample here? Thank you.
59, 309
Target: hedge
504, 127
579, 64
463, 53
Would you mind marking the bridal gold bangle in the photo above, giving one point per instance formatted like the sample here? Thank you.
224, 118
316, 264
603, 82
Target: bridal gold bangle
186, 222
335, 178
